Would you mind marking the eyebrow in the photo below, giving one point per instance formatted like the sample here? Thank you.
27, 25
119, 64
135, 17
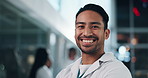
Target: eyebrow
80, 23
95, 23
90, 23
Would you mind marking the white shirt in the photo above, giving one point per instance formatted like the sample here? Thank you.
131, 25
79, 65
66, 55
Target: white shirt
105, 67
83, 68
44, 72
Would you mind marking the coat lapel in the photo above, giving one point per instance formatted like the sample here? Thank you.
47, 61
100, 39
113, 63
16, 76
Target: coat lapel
96, 65
75, 68
92, 68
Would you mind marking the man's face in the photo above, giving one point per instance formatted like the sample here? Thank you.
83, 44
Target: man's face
89, 32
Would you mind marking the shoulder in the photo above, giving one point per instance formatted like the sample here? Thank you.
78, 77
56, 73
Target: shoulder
116, 69
113, 68
64, 71
115, 64
40, 70
110, 61
44, 72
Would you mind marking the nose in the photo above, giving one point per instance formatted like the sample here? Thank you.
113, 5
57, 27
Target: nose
87, 31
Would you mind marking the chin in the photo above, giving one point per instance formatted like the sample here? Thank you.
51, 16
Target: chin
88, 52
91, 51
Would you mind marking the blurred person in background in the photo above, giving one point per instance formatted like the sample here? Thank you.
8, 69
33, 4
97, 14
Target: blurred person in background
40, 68
72, 56
91, 30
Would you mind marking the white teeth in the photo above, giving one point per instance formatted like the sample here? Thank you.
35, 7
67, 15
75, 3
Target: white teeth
88, 41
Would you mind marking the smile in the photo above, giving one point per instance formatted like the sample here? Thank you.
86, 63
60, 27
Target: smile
88, 41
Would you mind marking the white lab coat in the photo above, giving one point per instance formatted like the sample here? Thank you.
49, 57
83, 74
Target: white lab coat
105, 67
44, 72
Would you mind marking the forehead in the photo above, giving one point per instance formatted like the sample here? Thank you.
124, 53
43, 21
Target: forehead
89, 15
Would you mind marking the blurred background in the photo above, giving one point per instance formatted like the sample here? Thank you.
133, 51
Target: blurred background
26, 25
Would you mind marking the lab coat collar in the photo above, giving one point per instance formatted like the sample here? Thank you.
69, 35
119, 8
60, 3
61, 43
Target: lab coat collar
105, 58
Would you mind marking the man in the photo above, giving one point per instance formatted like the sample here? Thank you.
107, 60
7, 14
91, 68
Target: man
90, 32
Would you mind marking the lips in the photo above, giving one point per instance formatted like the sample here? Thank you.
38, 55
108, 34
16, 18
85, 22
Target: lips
88, 40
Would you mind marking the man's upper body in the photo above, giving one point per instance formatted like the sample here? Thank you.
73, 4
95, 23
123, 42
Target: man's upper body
91, 30
105, 67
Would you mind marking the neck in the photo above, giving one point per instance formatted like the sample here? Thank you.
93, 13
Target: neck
91, 58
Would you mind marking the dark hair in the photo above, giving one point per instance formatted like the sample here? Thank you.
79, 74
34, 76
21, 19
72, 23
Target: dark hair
41, 57
72, 49
97, 9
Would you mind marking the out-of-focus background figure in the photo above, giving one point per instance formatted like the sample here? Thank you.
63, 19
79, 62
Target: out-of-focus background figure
72, 53
42, 63
72, 56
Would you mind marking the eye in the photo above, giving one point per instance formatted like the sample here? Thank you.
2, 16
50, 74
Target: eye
95, 27
80, 27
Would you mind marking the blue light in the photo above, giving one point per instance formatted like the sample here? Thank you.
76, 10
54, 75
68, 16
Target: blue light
123, 55
122, 50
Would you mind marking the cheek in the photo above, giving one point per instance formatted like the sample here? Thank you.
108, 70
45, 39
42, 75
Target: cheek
100, 35
77, 33
75, 37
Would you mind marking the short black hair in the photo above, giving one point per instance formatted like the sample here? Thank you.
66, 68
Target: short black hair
72, 49
98, 9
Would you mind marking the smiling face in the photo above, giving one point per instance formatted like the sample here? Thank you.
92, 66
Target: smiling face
90, 33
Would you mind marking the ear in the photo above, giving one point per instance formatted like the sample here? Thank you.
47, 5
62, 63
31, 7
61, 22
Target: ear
107, 33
